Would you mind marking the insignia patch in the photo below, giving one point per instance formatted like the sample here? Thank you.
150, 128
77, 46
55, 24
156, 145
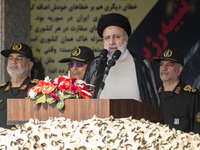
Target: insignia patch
23, 87
7, 88
76, 51
160, 89
176, 121
177, 90
17, 47
197, 117
1, 100
3, 84
35, 81
167, 53
189, 88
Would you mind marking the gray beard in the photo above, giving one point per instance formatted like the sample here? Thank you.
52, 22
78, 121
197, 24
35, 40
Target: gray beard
122, 49
19, 73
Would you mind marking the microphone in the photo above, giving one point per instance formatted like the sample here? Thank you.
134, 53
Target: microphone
102, 55
111, 63
100, 60
114, 58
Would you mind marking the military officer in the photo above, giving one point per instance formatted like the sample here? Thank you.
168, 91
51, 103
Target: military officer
80, 57
177, 99
20, 63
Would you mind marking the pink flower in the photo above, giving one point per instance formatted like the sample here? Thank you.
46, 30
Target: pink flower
73, 89
55, 97
51, 81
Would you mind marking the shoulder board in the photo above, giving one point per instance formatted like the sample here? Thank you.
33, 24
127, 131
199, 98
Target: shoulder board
35, 81
189, 88
3, 84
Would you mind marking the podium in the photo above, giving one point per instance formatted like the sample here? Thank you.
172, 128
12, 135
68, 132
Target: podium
20, 111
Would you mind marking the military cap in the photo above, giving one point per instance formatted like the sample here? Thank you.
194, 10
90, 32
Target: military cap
80, 53
171, 54
19, 48
113, 19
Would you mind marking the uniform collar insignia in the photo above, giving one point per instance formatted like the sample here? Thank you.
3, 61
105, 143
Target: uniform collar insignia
159, 89
189, 88
197, 117
177, 90
23, 87
3, 84
35, 81
1, 100
7, 88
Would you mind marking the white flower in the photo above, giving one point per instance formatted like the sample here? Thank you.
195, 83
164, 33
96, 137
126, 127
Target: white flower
79, 82
56, 80
32, 94
47, 79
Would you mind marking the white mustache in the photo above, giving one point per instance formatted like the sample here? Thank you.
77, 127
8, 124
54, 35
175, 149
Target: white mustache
112, 46
13, 66
77, 72
164, 72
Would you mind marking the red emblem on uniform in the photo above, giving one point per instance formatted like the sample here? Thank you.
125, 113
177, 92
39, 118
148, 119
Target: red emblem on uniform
7, 88
23, 87
160, 89
177, 90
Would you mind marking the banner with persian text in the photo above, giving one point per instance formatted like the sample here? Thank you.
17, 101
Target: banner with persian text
57, 26
171, 24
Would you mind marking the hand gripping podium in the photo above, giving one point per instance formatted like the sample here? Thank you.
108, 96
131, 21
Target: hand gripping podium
21, 110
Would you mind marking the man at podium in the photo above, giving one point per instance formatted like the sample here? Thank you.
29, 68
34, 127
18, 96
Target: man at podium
20, 63
129, 77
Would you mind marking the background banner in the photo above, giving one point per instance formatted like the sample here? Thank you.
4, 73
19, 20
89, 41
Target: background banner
171, 24
59, 26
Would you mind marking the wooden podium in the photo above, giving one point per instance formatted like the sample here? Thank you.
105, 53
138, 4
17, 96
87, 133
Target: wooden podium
21, 110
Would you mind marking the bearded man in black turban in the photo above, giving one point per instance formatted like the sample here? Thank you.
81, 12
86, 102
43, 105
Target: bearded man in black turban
131, 77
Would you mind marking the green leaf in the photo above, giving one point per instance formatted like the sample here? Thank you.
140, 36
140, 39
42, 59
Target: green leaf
67, 96
60, 104
41, 99
50, 100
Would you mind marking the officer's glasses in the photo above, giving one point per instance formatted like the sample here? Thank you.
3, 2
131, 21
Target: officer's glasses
78, 64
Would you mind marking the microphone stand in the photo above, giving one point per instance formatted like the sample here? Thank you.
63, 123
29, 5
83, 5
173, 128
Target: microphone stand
111, 63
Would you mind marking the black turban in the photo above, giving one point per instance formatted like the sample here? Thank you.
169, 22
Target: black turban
113, 19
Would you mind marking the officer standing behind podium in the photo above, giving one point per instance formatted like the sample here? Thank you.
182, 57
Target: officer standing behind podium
178, 100
131, 77
20, 63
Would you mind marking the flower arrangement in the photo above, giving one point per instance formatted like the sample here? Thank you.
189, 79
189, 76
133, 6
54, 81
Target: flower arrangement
58, 90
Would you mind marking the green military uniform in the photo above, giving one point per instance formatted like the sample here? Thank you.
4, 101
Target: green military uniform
7, 92
180, 107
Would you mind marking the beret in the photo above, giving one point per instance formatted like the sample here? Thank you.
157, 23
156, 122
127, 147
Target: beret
113, 19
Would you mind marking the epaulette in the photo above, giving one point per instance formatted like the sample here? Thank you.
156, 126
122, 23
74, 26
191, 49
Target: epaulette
189, 88
35, 81
3, 84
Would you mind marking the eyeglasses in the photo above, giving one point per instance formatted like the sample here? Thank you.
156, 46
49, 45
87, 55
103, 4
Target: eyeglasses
78, 64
